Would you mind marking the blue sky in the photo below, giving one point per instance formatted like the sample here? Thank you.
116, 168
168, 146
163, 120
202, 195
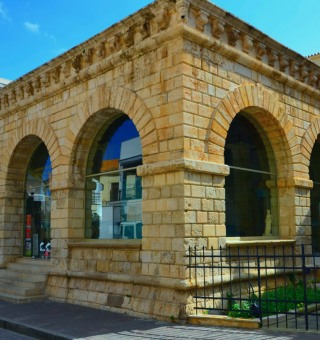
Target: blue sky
35, 31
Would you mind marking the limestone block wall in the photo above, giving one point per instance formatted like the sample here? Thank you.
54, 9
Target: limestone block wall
101, 258
97, 273
144, 300
108, 275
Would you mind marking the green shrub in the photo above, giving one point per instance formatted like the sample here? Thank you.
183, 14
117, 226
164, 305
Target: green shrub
279, 300
283, 299
241, 311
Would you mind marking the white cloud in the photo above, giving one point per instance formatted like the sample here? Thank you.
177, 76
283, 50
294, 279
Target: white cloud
32, 27
3, 12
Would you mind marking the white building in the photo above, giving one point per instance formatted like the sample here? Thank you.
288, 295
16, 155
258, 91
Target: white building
4, 82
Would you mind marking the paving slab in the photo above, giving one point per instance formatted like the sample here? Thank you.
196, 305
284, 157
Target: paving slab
59, 321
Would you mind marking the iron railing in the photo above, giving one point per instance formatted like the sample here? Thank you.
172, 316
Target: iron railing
280, 285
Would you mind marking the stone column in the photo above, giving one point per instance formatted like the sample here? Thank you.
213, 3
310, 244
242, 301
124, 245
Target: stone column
183, 206
67, 222
11, 224
294, 210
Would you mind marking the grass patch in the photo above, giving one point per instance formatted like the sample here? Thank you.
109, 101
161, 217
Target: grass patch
275, 301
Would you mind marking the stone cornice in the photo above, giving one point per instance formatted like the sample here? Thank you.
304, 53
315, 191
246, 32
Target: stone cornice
238, 36
139, 32
251, 62
110, 47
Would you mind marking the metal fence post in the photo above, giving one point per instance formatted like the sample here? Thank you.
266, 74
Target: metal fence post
259, 288
196, 276
305, 298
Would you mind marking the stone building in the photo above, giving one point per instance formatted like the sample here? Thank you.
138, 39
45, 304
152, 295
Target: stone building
179, 126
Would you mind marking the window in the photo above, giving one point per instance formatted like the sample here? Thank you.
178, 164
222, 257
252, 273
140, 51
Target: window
315, 196
250, 189
114, 190
38, 204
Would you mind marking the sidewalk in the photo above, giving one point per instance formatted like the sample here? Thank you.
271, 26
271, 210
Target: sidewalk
55, 321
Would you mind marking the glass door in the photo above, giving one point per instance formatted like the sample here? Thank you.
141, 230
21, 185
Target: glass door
38, 205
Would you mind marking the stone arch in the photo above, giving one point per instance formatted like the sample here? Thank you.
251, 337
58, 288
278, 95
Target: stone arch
102, 103
16, 156
308, 140
310, 155
264, 107
32, 130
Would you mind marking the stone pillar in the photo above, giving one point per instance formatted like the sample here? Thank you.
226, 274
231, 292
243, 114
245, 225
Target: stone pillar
11, 224
183, 206
67, 222
294, 210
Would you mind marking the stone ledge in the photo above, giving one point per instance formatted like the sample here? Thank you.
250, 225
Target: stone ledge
223, 321
183, 164
258, 242
295, 182
114, 244
141, 280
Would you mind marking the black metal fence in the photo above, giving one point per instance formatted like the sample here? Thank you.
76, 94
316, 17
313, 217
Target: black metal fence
280, 285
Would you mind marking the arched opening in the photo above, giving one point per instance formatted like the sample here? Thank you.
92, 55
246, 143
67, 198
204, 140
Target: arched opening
250, 189
38, 204
113, 189
314, 170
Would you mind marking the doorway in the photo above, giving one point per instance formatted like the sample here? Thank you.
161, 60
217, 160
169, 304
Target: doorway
38, 205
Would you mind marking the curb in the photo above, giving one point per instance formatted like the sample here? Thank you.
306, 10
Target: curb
223, 321
28, 330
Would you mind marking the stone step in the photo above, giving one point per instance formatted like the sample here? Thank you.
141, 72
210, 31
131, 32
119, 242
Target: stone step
23, 276
24, 280
13, 298
37, 261
20, 291
28, 282
33, 268
20, 274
